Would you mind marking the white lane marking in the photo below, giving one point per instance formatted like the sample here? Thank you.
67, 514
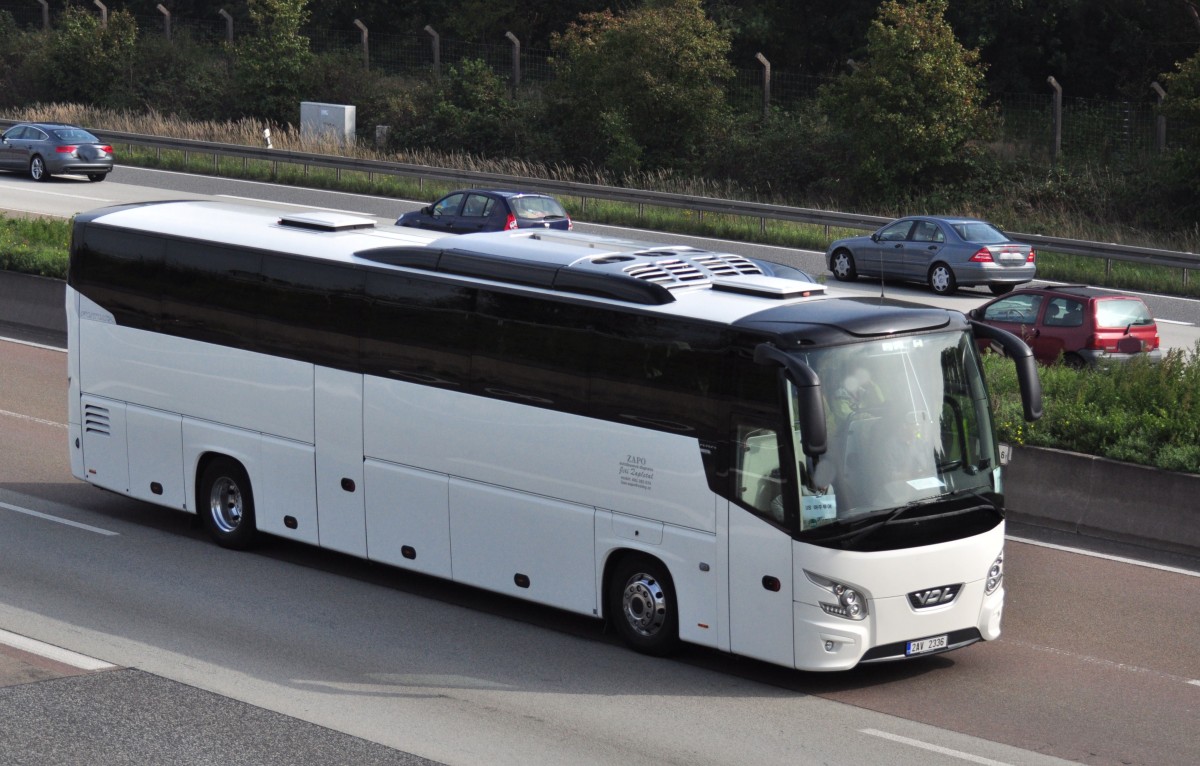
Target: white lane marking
934, 748
1174, 321
31, 343
51, 652
69, 196
1194, 683
19, 416
68, 522
1110, 664
1093, 554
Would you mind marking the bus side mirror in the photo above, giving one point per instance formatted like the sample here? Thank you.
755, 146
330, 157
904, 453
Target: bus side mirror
813, 436
1022, 356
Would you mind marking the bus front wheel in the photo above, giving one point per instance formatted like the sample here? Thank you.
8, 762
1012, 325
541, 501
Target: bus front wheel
225, 502
642, 606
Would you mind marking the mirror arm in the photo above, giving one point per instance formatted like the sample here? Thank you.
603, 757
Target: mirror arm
813, 429
1022, 356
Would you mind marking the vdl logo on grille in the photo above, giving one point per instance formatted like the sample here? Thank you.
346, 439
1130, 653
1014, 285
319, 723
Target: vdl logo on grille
923, 599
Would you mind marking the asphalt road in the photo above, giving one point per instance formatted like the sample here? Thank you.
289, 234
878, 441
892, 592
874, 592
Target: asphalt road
289, 654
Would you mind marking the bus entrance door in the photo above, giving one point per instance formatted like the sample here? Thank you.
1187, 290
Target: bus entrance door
760, 589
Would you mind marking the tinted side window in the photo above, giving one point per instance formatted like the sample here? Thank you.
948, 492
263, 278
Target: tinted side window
1063, 312
896, 232
449, 205
418, 330
121, 271
210, 293
532, 350
1021, 309
661, 372
311, 310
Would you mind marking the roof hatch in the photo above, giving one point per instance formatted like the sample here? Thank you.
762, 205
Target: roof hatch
324, 220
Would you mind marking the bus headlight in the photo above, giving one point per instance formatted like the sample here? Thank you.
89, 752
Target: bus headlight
995, 575
850, 603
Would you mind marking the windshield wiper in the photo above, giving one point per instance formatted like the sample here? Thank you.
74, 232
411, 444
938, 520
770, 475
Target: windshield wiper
852, 536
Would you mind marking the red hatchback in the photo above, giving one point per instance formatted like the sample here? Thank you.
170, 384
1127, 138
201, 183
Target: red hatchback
1081, 325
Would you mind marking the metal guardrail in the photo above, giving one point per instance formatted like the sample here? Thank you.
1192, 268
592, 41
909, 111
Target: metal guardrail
760, 210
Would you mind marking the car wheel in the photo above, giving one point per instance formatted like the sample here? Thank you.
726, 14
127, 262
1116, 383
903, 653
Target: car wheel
96, 177
941, 279
1000, 289
841, 263
37, 169
226, 504
642, 606
1074, 361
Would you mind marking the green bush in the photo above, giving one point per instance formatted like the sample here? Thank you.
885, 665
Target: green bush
1138, 412
34, 246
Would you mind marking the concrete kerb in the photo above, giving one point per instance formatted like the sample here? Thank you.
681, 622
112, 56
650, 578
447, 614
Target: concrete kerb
1107, 499
1066, 491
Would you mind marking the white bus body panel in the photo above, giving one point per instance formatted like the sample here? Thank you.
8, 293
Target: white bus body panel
105, 454
284, 485
74, 420
626, 469
760, 620
692, 557
339, 430
155, 450
499, 534
408, 507
885, 578
197, 380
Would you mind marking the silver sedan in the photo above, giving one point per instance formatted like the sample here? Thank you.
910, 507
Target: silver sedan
43, 149
944, 253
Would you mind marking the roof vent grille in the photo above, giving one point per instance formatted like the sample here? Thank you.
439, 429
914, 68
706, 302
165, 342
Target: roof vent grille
670, 273
728, 265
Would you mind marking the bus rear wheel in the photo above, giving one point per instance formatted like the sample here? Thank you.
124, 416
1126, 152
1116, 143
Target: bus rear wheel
226, 504
642, 605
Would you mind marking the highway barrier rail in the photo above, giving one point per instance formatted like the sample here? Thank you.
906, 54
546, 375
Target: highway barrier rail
760, 210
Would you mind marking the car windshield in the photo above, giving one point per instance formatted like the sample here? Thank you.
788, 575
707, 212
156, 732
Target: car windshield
908, 422
75, 135
537, 207
1122, 312
980, 233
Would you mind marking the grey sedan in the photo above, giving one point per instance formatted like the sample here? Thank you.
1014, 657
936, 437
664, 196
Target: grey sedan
944, 253
43, 149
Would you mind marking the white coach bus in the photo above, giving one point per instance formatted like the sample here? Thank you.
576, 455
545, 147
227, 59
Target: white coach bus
662, 437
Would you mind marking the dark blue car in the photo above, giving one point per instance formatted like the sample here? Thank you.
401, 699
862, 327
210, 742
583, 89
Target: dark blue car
472, 210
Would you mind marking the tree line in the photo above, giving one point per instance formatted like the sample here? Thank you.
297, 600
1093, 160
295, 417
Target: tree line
643, 87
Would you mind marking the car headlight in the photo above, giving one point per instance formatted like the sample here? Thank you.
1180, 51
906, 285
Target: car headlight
850, 604
995, 575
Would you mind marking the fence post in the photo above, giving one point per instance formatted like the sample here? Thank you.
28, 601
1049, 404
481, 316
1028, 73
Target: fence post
103, 13
516, 76
766, 84
228, 25
1057, 146
45, 15
1161, 137
366, 53
166, 20
437, 51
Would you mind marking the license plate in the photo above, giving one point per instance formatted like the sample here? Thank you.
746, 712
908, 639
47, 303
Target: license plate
925, 645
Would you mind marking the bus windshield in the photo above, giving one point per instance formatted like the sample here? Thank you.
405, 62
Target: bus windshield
908, 423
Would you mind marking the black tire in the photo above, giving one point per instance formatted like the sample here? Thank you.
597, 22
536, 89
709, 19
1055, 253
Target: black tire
642, 605
37, 169
1074, 361
1001, 289
226, 504
941, 279
97, 177
841, 263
